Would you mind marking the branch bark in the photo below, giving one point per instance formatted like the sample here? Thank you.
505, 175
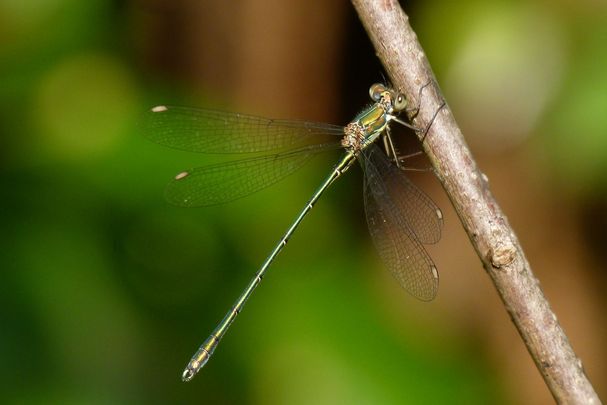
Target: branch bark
492, 237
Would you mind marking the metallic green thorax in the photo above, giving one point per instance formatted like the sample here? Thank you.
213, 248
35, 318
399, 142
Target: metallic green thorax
368, 125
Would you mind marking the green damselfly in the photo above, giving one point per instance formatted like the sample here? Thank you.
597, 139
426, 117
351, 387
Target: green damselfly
401, 218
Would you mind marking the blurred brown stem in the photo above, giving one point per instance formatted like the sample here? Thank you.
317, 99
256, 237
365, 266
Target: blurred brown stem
492, 237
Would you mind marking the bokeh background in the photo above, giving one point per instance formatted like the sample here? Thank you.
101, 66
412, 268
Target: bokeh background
107, 290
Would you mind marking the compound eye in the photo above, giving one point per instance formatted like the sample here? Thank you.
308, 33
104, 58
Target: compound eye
400, 102
376, 91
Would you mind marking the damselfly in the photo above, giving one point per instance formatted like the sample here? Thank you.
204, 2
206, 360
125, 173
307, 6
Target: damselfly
401, 218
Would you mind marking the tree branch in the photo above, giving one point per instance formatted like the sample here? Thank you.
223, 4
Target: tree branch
492, 237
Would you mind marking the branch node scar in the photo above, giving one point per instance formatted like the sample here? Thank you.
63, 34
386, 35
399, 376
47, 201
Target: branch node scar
502, 255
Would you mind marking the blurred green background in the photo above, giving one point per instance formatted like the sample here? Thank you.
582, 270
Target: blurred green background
107, 290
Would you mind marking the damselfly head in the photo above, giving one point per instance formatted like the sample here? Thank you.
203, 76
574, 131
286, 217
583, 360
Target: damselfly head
392, 100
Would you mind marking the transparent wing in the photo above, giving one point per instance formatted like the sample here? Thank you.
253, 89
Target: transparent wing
419, 212
392, 233
208, 131
220, 183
